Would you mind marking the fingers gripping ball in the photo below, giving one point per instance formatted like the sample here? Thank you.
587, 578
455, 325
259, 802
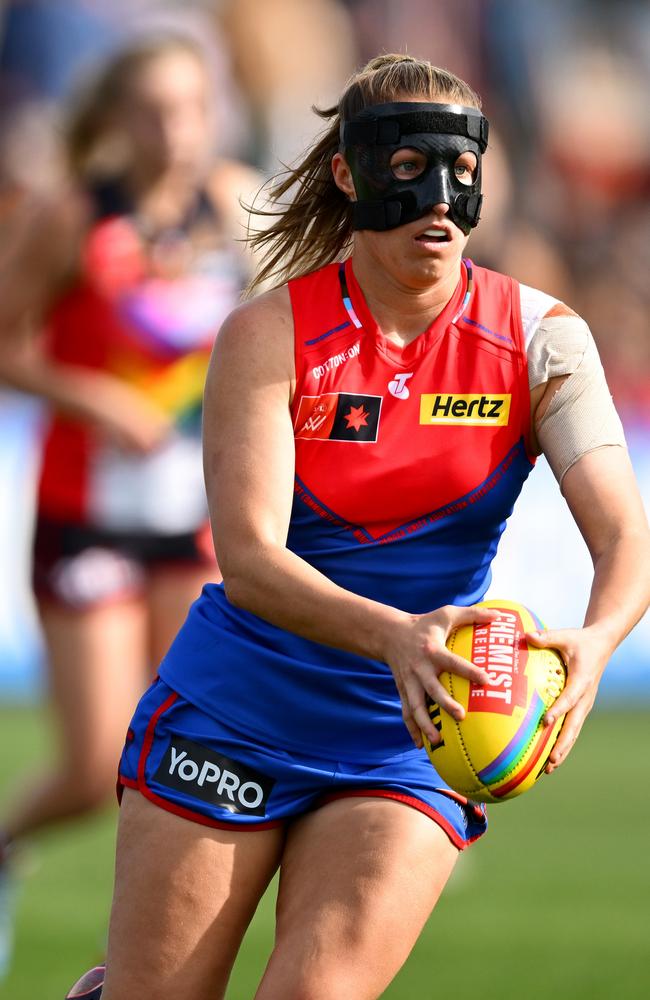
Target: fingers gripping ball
501, 747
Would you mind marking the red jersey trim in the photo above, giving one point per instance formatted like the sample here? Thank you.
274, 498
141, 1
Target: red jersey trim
190, 814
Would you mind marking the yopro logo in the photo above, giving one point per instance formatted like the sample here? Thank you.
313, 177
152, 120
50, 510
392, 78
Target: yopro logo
201, 772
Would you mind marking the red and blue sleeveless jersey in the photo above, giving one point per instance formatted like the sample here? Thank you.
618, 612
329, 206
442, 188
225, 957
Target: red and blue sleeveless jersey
408, 463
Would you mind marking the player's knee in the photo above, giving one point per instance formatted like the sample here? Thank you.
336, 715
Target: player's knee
323, 984
314, 972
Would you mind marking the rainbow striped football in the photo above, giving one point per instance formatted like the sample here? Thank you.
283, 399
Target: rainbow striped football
501, 747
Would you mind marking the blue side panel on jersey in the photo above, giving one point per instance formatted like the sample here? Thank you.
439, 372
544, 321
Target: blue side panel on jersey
444, 556
284, 690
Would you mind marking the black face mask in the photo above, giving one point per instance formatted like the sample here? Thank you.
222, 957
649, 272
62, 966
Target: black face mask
441, 132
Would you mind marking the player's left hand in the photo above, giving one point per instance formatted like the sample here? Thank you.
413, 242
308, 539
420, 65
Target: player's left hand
585, 656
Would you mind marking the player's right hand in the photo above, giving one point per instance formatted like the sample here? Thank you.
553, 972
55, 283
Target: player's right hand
417, 654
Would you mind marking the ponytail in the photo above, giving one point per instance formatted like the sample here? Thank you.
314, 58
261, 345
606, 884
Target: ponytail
315, 226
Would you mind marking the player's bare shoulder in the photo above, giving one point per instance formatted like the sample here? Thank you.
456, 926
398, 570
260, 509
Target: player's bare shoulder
257, 339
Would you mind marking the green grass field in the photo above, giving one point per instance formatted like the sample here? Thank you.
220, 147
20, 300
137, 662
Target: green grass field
555, 902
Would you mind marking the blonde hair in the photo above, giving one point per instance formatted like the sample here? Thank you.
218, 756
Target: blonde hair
315, 227
91, 118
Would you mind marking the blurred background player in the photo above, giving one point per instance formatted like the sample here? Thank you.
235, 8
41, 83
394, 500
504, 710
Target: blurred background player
110, 302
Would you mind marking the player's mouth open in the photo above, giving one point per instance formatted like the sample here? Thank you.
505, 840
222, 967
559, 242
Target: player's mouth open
433, 236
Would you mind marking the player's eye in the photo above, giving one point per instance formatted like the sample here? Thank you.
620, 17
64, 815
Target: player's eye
407, 164
465, 168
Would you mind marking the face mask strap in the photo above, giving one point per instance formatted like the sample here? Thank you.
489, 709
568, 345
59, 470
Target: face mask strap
469, 206
377, 215
385, 125
382, 215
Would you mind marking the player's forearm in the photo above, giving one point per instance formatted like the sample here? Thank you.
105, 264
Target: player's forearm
76, 391
277, 585
620, 591
68, 388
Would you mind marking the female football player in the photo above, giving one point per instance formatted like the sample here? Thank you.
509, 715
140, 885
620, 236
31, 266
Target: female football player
108, 310
368, 426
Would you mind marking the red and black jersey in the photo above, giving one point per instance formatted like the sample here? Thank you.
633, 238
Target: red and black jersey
145, 309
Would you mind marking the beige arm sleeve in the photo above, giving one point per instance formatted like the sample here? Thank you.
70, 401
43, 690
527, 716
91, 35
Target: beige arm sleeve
581, 415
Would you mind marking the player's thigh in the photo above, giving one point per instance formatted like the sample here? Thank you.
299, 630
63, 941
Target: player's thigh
184, 895
97, 659
170, 592
359, 877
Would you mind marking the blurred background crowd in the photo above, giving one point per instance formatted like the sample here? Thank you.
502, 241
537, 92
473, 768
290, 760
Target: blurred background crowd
567, 183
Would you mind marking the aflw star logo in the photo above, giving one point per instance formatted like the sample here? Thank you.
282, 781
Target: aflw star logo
398, 387
338, 416
357, 417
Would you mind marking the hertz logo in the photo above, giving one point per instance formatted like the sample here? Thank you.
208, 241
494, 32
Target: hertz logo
474, 409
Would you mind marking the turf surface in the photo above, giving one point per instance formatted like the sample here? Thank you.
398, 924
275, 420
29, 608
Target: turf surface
554, 902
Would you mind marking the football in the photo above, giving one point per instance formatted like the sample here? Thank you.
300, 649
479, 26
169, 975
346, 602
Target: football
501, 747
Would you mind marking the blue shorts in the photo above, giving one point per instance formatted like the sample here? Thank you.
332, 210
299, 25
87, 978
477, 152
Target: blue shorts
195, 766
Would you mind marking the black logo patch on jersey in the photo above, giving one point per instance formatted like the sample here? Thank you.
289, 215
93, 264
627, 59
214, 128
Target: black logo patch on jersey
338, 416
201, 772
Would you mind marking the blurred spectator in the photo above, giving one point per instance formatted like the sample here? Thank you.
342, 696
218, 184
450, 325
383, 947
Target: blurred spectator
46, 42
284, 66
48, 46
582, 160
447, 32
